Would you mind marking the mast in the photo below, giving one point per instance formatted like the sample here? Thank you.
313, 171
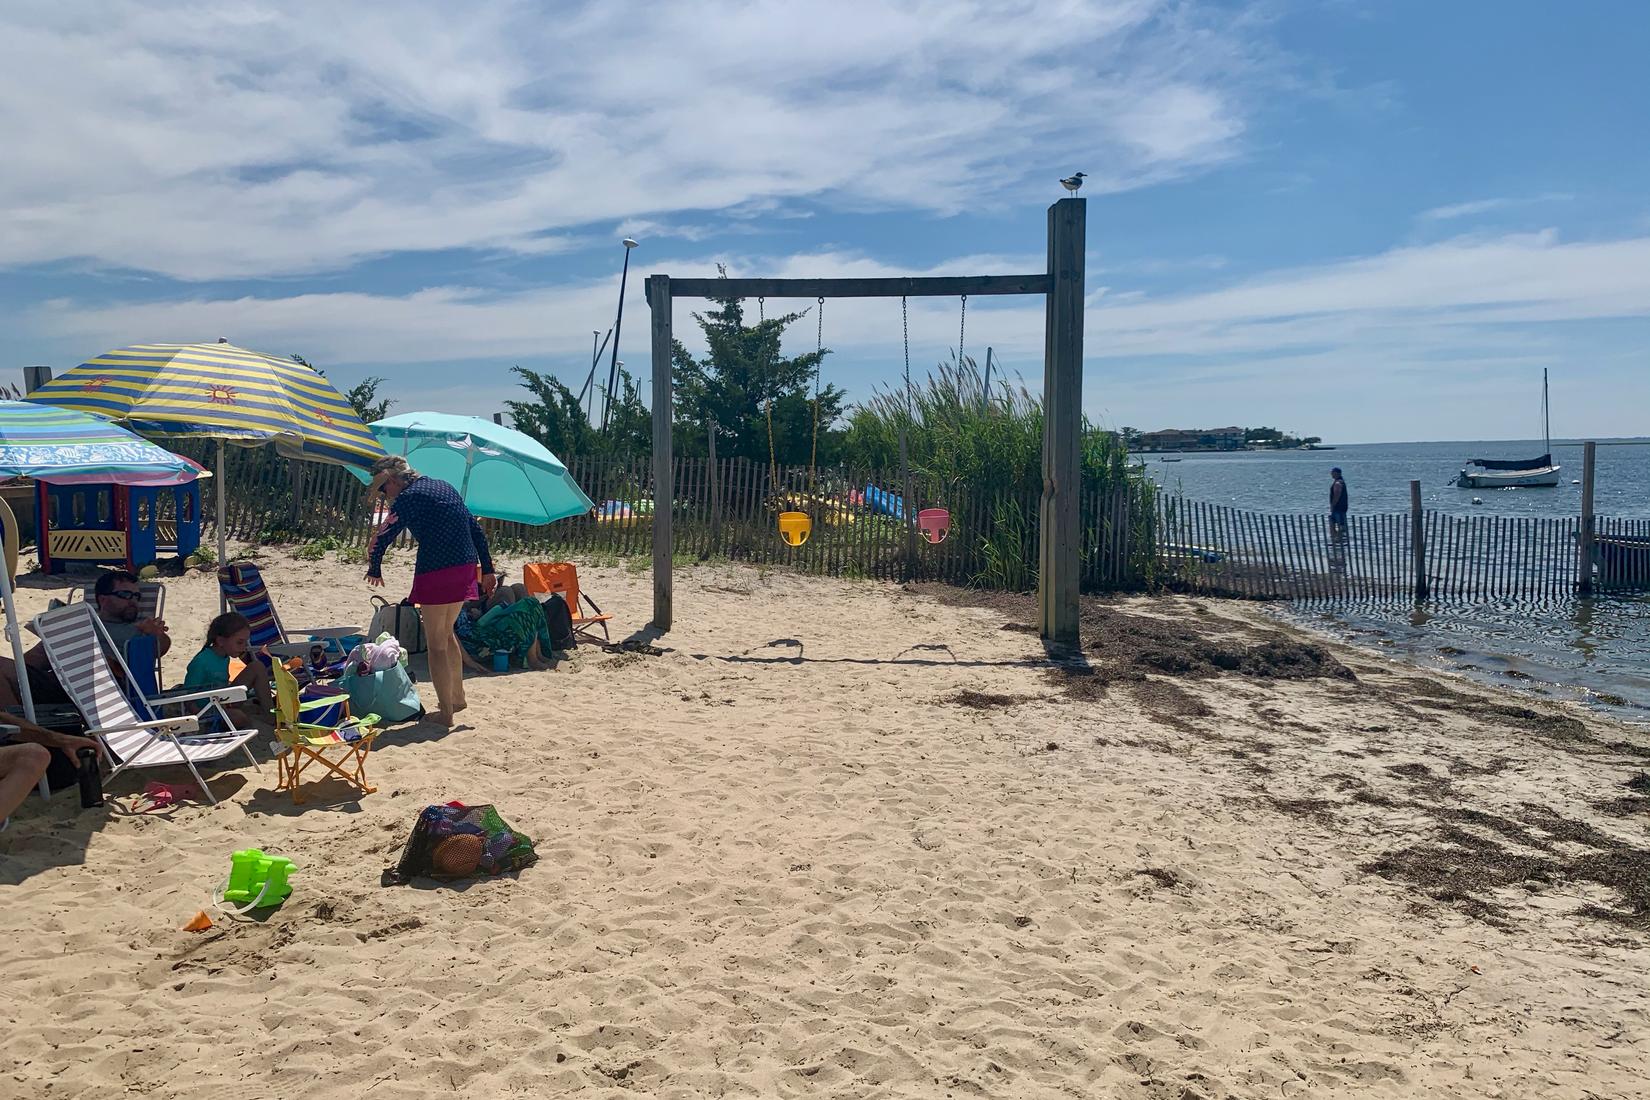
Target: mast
1546, 416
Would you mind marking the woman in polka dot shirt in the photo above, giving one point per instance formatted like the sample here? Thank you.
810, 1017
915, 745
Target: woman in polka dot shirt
450, 544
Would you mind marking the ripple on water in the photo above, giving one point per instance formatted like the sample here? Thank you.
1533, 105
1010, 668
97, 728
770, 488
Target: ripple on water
1595, 651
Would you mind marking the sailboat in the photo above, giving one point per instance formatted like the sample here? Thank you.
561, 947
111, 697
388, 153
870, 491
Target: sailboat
1516, 473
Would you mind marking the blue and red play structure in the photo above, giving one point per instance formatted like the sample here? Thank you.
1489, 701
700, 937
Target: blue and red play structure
112, 524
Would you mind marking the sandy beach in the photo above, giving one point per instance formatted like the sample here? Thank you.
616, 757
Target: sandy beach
847, 839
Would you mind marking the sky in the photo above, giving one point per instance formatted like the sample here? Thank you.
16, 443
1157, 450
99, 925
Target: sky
1368, 221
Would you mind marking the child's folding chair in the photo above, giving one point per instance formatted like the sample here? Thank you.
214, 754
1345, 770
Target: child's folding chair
340, 747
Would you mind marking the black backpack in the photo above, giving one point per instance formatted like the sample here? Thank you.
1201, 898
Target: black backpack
560, 621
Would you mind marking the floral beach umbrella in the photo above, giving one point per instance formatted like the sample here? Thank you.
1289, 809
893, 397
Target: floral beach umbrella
64, 446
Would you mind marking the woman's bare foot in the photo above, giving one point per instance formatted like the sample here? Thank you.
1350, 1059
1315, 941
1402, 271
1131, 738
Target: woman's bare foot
458, 706
441, 718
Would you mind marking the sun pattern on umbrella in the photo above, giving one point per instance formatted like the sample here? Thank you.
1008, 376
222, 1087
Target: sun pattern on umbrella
220, 393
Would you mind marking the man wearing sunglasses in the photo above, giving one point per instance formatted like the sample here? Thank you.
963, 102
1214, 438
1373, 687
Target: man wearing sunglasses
117, 595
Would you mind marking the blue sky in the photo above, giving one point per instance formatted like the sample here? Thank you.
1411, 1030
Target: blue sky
1368, 221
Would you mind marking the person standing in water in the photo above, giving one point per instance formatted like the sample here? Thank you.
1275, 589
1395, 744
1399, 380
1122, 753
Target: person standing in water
1338, 500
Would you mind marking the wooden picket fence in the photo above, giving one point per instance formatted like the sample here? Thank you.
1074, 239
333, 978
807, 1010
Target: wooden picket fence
1134, 537
729, 510
1216, 549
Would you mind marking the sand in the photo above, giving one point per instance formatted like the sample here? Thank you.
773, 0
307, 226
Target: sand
847, 839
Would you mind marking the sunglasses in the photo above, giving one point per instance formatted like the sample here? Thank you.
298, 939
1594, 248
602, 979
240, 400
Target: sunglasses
127, 594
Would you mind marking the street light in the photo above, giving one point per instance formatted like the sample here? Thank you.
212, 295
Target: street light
618, 325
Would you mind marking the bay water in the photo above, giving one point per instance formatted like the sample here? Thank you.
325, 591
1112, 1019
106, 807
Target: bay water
1595, 650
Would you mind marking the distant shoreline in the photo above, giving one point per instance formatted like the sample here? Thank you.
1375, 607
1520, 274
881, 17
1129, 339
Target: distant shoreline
1226, 450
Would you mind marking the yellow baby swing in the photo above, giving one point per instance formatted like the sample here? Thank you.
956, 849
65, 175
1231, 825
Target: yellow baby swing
796, 526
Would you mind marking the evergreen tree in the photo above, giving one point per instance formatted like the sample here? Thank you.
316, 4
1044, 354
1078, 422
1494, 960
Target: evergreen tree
556, 419
744, 369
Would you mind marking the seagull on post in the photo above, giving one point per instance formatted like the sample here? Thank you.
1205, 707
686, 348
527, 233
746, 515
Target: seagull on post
1073, 183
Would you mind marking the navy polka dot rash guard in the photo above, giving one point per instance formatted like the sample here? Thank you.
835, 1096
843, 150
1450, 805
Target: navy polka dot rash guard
447, 533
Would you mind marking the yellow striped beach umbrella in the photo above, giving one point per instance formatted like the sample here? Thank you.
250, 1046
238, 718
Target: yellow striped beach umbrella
217, 391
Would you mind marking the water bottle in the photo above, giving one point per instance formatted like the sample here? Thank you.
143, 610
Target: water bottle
91, 779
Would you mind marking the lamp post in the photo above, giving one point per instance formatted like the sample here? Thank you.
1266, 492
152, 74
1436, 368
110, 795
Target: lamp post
618, 324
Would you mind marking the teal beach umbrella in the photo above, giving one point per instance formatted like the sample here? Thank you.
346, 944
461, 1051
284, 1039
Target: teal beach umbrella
500, 472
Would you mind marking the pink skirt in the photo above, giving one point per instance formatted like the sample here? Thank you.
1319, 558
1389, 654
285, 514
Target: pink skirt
454, 584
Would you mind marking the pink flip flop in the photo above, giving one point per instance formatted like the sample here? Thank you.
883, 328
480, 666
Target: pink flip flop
162, 796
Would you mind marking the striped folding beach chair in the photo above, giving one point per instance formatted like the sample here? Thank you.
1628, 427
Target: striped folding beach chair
244, 590
151, 605
80, 653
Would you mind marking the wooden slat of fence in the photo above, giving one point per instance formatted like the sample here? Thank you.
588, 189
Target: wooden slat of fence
1463, 556
1317, 579
1501, 563
1236, 577
1446, 555
1477, 574
1252, 577
1286, 554
1286, 549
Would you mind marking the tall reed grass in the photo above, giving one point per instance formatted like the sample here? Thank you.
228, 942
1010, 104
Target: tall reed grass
989, 447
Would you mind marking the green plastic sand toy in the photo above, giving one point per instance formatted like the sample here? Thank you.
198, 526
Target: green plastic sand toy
256, 880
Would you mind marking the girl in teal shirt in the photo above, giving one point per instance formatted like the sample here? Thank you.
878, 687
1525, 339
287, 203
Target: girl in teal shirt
230, 635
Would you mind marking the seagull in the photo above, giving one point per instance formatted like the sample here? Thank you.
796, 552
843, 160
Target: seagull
1073, 183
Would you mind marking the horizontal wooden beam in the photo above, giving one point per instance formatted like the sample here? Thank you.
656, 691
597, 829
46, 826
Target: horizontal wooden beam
943, 286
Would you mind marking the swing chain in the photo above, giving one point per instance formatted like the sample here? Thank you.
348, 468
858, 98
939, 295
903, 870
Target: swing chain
819, 362
773, 455
962, 329
905, 329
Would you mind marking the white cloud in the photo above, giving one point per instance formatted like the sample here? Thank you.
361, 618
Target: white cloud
1468, 284
252, 138
1342, 347
1485, 206
442, 324
1460, 295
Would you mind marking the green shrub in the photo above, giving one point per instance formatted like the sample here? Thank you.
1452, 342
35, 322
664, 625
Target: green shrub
987, 449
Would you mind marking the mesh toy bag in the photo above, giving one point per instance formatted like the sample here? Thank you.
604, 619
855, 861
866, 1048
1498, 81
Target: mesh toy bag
457, 841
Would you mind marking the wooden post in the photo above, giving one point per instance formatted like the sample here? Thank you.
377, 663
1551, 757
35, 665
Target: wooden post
715, 492
34, 378
1060, 526
297, 477
1589, 452
1418, 540
658, 297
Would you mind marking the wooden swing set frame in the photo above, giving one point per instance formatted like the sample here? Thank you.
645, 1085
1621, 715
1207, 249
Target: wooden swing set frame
1059, 515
